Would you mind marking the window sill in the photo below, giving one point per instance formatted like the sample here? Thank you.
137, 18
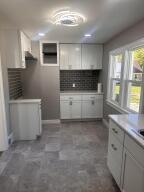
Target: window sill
118, 108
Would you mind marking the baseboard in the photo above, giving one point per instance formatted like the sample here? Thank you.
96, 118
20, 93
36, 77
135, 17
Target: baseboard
51, 121
105, 122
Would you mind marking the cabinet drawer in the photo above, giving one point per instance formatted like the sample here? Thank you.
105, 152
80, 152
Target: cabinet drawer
70, 97
117, 131
135, 149
92, 97
115, 148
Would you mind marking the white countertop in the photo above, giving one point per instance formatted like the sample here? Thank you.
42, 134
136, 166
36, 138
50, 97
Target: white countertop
81, 92
129, 123
20, 100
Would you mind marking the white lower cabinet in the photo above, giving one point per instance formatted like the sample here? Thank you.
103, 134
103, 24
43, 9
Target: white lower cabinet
25, 119
92, 106
125, 160
70, 109
81, 106
133, 174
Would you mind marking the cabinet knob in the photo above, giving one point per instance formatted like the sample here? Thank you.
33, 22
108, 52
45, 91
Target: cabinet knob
92, 102
114, 148
114, 130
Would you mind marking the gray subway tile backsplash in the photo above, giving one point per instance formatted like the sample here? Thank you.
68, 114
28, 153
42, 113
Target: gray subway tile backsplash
83, 80
15, 84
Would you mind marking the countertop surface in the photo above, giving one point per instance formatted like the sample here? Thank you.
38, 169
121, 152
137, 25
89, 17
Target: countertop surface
81, 92
130, 123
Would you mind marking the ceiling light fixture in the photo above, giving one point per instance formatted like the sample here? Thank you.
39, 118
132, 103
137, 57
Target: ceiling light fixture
68, 18
87, 35
41, 34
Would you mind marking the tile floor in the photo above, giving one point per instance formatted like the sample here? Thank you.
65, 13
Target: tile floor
70, 157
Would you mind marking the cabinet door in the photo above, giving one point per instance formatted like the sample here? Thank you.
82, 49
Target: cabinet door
65, 109
76, 109
92, 108
91, 56
133, 174
70, 56
64, 56
75, 56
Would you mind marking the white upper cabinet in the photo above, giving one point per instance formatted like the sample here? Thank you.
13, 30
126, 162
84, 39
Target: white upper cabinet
92, 56
49, 53
70, 56
16, 43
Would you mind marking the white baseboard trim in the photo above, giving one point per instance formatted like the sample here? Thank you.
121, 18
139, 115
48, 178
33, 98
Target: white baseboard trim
51, 121
105, 122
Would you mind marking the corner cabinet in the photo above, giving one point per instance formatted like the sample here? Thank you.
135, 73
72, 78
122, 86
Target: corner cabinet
70, 56
92, 56
16, 43
125, 160
49, 53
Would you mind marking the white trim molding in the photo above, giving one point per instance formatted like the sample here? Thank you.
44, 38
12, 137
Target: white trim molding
51, 121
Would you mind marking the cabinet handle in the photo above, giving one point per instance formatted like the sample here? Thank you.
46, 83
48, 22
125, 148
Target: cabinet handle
115, 131
114, 148
70, 103
92, 102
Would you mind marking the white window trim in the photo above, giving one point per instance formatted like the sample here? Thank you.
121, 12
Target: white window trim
123, 50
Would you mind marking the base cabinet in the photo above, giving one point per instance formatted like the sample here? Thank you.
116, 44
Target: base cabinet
133, 174
25, 120
125, 160
70, 109
81, 106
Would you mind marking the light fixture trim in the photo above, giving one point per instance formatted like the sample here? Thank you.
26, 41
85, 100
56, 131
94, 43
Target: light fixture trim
68, 18
87, 35
41, 34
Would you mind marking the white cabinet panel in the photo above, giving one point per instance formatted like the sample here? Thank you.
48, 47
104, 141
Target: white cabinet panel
76, 110
133, 174
25, 119
16, 43
92, 56
92, 107
65, 109
70, 56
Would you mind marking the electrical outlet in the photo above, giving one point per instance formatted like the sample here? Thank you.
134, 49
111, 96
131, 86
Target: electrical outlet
73, 85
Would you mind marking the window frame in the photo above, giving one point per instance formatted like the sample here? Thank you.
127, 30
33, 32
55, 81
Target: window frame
124, 80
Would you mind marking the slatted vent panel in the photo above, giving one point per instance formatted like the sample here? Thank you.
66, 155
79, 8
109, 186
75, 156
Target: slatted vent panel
15, 84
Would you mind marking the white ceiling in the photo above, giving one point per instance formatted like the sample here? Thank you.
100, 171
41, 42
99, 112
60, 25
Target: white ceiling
105, 18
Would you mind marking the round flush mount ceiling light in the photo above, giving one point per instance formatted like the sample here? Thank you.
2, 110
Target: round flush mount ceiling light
68, 18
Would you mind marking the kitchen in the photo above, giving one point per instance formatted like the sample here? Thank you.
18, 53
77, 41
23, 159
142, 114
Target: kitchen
66, 84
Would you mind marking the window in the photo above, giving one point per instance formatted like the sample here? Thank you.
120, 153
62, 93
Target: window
126, 77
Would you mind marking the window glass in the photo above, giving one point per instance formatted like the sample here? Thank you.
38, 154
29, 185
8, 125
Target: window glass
136, 64
134, 94
116, 91
117, 65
